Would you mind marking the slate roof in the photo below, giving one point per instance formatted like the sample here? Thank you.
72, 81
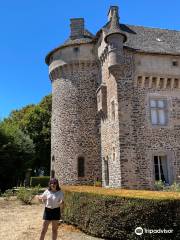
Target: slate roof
86, 38
152, 40
139, 38
114, 26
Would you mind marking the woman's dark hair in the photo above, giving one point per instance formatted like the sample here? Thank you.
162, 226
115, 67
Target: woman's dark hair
55, 181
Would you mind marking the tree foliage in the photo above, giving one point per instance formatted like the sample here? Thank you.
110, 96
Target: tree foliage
25, 141
37, 124
16, 154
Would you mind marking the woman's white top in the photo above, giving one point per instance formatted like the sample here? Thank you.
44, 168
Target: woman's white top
52, 199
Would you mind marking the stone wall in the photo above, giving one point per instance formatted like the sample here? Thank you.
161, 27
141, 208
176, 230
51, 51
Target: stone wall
152, 140
110, 151
132, 136
159, 82
128, 160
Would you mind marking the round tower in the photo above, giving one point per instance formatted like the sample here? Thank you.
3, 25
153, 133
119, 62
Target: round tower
75, 146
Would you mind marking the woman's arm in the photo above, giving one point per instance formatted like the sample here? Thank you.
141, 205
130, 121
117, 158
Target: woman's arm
61, 201
62, 205
42, 197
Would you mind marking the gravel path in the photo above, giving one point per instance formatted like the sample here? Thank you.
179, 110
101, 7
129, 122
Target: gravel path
24, 222
77, 236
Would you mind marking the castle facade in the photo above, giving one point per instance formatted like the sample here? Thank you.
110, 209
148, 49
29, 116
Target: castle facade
116, 105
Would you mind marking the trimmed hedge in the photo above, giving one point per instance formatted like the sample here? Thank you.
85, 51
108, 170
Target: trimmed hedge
142, 194
116, 217
42, 181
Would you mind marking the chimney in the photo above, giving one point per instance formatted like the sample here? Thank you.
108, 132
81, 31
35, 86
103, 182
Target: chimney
77, 28
113, 9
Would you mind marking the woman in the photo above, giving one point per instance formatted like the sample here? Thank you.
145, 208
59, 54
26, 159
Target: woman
53, 197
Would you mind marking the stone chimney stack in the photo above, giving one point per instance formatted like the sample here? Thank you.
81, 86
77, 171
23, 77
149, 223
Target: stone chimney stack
77, 28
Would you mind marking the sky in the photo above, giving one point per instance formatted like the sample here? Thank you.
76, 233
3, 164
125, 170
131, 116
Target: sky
32, 28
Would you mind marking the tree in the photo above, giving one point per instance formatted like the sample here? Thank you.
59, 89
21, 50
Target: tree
16, 154
37, 124
25, 142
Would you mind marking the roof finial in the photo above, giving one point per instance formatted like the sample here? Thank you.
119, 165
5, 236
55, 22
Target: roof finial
112, 10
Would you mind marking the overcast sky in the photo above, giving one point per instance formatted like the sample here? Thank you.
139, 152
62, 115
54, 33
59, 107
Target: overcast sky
31, 28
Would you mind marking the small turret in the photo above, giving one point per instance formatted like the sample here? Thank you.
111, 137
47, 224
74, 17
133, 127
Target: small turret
114, 38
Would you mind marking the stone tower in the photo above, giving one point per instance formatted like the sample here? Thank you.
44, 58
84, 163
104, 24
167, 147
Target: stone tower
75, 141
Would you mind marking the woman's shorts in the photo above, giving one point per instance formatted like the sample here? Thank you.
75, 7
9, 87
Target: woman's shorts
52, 214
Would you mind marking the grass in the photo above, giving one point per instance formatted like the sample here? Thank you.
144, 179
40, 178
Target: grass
142, 194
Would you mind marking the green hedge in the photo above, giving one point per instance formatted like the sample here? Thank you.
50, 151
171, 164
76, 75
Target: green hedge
112, 217
42, 181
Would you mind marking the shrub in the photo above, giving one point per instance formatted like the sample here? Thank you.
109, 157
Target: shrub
98, 183
116, 217
42, 181
7, 194
175, 187
26, 195
159, 185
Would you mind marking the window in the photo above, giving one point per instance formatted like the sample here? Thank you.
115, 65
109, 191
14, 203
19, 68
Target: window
113, 154
81, 167
52, 173
113, 110
98, 98
174, 63
106, 170
102, 99
76, 49
158, 108
161, 169
53, 158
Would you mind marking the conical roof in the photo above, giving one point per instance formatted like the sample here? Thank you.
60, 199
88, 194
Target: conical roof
115, 26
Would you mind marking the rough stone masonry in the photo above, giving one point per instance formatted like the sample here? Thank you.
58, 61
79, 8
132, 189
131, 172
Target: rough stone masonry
116, 105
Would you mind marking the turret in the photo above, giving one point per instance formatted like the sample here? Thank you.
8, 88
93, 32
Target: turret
115, 39
73, 71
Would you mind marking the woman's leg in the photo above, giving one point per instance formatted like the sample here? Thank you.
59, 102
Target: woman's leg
54, 229
44, 229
